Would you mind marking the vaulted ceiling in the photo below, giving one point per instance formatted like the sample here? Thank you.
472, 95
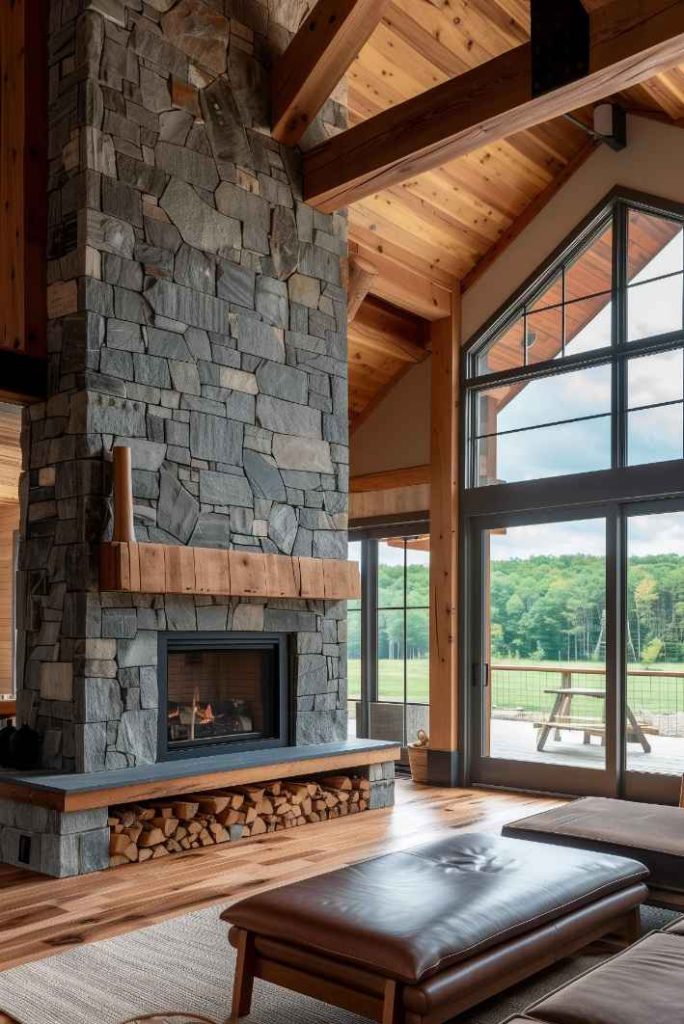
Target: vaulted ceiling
446, 224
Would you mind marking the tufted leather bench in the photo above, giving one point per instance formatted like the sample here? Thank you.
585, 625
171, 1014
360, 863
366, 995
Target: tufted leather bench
420, 936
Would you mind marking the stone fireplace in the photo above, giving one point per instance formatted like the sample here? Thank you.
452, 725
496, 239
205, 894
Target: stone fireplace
197, 315
222, 691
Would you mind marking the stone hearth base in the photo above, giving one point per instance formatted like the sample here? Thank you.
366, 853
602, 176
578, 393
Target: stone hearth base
67, 843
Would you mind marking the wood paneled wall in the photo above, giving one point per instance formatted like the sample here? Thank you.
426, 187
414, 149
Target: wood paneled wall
9, 523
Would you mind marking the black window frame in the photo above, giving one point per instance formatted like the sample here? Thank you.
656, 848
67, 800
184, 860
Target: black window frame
616, 492
615, 206
369, 534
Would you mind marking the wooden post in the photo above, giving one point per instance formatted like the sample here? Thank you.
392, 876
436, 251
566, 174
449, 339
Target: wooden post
243, 985
124, 529
392, 1012
361, 275
445, 338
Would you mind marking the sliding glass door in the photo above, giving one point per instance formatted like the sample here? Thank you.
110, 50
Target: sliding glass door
577, 678
542, 700
654, 651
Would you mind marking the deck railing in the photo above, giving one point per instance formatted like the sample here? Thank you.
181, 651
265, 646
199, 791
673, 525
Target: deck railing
656, 696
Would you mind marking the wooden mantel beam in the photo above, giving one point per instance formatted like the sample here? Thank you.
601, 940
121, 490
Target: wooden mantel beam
631, 40
316, 60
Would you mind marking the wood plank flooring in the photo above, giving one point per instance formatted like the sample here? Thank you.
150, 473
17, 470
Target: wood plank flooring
41, 916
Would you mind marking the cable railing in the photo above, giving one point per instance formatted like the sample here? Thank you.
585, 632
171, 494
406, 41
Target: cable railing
524, 692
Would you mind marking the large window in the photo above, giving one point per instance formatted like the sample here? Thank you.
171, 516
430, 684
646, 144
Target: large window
388, 634
573, 517
585, 371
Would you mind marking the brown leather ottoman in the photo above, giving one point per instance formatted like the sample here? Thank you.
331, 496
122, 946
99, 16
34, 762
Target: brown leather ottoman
650, 833
420, 936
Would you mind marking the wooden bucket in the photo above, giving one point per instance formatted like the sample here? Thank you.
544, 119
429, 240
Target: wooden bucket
418, 758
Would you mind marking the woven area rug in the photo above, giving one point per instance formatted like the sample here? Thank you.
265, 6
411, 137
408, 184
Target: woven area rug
184, 967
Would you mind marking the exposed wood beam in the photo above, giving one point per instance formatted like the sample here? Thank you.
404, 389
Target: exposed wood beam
444, 548
362, 273
390, 332
392, 501
631, 40
399, 284
315, 61
405, 477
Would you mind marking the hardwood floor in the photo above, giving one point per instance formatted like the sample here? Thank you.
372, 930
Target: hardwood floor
42, 916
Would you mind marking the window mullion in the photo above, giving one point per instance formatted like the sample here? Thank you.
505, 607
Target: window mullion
619, 337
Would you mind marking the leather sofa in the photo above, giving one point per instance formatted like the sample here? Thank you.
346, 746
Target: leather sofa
641, 985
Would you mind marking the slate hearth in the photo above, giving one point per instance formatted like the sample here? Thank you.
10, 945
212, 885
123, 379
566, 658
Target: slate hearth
197, 313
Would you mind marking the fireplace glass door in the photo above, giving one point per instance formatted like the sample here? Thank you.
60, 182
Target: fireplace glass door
222, 692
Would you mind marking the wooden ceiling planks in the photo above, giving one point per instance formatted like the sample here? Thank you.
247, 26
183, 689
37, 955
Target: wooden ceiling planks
446, 225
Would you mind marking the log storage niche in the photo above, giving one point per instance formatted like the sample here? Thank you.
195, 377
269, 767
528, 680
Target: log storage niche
156, 828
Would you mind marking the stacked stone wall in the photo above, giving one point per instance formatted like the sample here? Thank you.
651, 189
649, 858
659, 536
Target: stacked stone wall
198, 314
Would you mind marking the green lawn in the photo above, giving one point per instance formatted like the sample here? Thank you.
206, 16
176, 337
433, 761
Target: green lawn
523, 688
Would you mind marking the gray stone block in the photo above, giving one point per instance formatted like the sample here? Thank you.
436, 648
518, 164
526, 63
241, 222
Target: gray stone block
288, 418
259, 339
93, 850
263, 476
282, 527
138, 735
200, 224
236, 284
215, 439
119, 622
195, 270
283, 381
224, 489
101, 700
140, 650
177, 510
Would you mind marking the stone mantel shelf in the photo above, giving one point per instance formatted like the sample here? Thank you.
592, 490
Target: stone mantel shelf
167, 569
81, 792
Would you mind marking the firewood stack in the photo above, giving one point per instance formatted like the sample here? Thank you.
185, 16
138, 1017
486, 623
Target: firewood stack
140, 832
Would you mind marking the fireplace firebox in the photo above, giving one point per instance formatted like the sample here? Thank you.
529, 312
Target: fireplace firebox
222, 691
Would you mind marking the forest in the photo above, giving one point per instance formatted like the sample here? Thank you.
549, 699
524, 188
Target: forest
551, 608
544, 608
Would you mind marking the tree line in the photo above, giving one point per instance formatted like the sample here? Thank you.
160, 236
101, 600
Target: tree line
543, 608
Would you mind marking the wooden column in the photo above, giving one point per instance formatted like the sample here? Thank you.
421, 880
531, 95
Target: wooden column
12, 236
445, 337
23, 177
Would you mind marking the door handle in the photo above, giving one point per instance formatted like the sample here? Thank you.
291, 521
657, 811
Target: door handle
480, 674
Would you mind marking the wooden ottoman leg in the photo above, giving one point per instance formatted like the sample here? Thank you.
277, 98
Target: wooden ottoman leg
243, 985
392, 1009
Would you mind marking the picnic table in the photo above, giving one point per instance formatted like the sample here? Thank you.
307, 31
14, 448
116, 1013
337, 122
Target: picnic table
561, 719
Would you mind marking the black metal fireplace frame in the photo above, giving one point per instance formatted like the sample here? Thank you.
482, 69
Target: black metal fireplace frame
279, 643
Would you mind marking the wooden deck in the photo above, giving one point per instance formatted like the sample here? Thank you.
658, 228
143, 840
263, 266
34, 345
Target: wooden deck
517, 741
41, 916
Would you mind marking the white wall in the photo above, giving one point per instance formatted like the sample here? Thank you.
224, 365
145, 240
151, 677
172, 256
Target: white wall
397, 434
